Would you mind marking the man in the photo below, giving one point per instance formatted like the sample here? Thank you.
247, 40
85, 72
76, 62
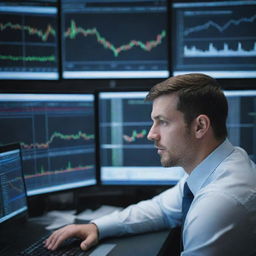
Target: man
189, 130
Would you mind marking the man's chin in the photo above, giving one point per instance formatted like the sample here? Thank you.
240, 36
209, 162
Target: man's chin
167, 163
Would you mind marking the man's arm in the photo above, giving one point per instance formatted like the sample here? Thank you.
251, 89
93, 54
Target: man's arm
163, 211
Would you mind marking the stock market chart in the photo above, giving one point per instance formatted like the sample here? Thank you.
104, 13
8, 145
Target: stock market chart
114, 39
29, 38
12, 189
126, 155
56, 133
217, 38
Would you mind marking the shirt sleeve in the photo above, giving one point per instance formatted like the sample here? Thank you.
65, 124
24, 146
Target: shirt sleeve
161, 212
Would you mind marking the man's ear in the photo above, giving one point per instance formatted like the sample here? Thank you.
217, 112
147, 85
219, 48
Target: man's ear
201, 125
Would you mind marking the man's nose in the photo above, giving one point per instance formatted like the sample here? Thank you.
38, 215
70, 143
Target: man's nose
152, 134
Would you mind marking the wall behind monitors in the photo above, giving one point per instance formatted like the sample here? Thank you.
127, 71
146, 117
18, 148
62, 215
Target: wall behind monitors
28, 39
56, 133
126, 156
114, 39
217, 38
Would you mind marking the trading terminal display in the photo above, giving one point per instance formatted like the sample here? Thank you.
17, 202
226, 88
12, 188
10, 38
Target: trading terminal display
12, 189
127, 157
29, 40
241, 121
216, 38
114, 39
56, 133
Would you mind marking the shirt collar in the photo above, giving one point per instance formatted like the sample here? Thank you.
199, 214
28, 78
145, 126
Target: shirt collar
200, 174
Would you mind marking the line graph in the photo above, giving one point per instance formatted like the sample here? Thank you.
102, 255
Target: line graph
28, 44
121, 46
219, 39
220, 28
56, 133
51, 58
135, 135
67, 169
79, 135
73, 31
43, 35
16, 184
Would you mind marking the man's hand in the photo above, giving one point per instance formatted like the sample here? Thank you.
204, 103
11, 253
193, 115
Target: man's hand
87, 232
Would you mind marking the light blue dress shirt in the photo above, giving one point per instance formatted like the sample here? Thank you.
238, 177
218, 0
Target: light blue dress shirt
222, 217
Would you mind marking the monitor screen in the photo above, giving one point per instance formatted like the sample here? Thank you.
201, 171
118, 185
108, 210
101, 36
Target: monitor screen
56, 133
28, 40
114, 39
12, 188
241, 121
216, 38
126, 156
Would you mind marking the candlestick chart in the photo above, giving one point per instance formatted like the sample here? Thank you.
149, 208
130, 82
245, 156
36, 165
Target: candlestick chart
124, 134
57, 140
126, 155
122, 42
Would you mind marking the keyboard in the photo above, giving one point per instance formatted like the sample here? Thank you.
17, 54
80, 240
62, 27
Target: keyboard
70, 247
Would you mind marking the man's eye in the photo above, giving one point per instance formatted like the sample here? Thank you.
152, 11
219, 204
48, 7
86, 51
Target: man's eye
163, 122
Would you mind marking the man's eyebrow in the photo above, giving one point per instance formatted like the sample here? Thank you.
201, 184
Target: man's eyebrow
158, 117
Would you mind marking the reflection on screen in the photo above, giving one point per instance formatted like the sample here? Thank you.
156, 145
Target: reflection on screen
56, 133
114, 39
216, 38
28, 32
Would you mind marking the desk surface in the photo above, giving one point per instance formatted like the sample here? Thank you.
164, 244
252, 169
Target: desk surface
148, 244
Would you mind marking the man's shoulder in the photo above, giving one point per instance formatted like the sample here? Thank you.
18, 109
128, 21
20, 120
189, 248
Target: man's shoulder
237, 159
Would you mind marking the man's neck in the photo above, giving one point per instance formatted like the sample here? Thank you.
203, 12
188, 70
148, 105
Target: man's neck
202, 151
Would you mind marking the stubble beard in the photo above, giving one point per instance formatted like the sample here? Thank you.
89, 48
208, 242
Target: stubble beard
166, 161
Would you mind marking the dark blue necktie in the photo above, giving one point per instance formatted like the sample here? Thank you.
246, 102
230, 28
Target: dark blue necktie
186, 202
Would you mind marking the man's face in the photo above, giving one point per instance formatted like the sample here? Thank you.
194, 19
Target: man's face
170, 133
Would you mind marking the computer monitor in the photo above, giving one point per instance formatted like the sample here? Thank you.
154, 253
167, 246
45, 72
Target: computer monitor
241, 121
56, 133
13, 202
214, 37
114, 39
126, 156
29, 40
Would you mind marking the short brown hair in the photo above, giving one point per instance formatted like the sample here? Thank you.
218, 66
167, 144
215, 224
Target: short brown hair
198, 94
